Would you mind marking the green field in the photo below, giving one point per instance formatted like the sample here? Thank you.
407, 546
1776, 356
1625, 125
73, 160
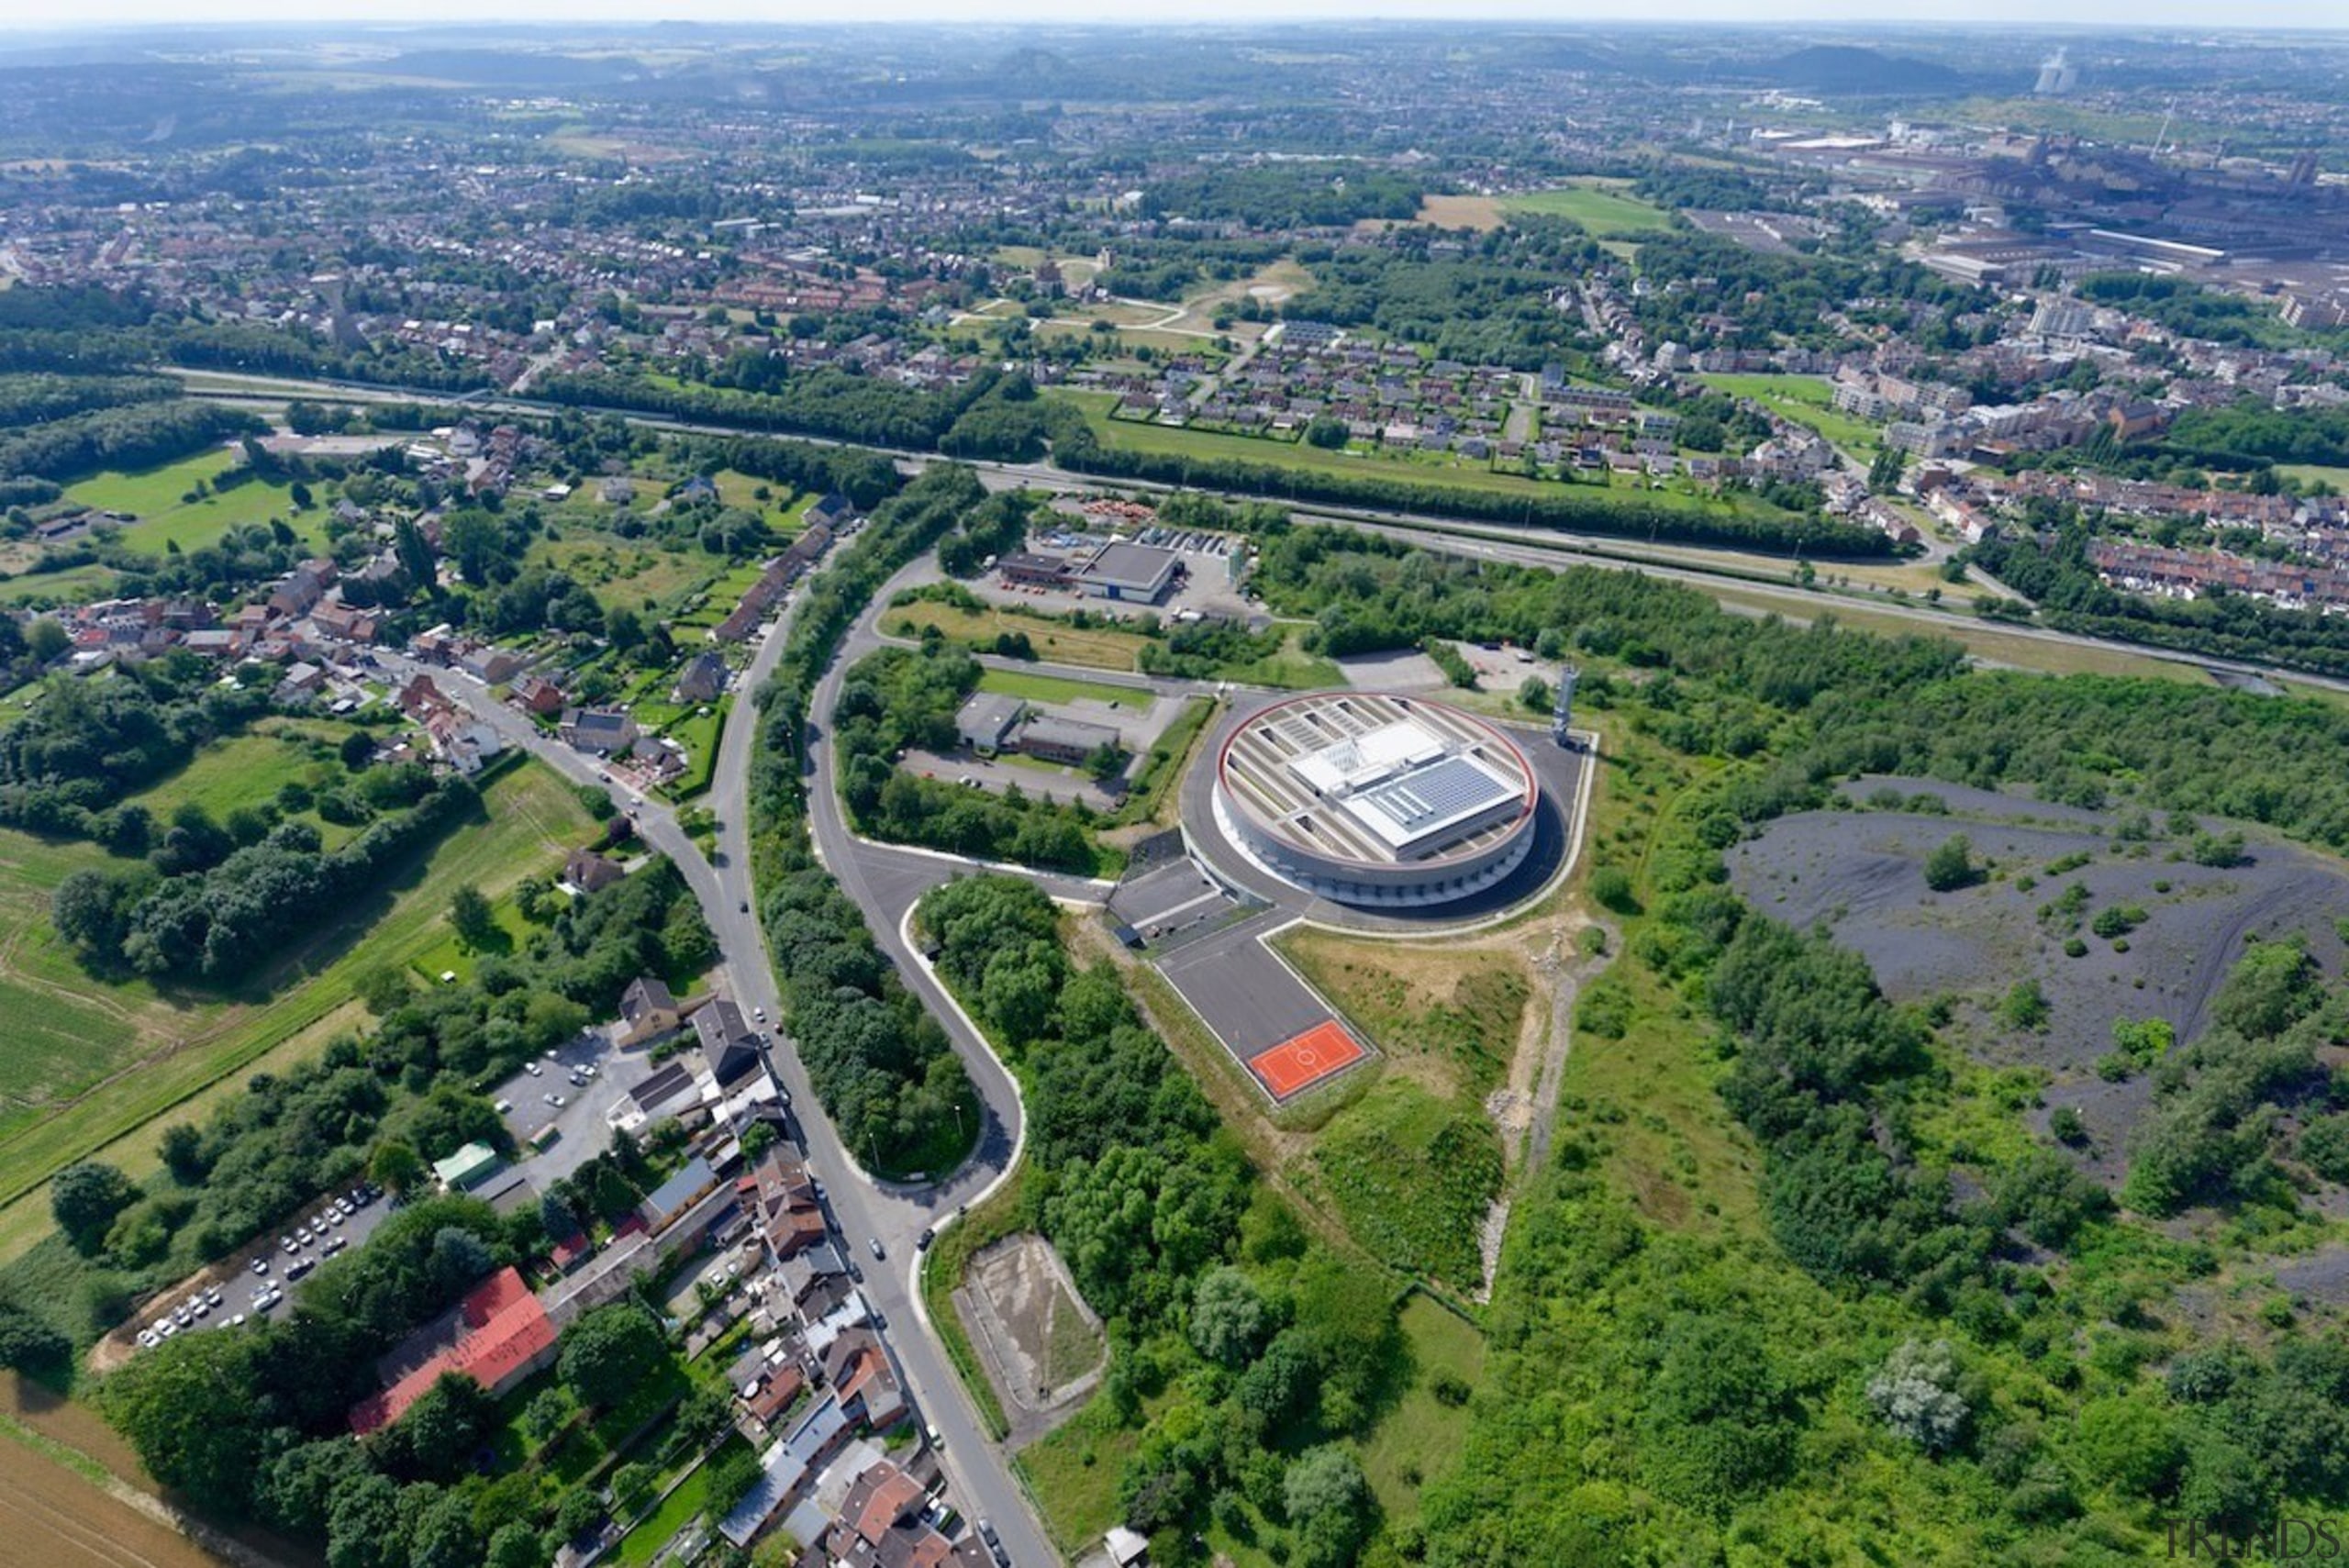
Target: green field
629, 573
72, 586
165, 518
1093, 648
91, 1063
2315, 473
1138, 436
1035, 688
1807, 400
1422, 1434
249, 770
1606, 208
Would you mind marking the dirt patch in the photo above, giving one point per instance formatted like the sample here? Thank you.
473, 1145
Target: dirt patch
1043, 1347
1480, 213
1860, 875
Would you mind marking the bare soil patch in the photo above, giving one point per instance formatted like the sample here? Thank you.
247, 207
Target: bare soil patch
1043, 1347
1860, 875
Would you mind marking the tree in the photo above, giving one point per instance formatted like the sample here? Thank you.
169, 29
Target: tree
731, 1476
606, 1352
470, 913
87, 910
518, 1545
1326, 1498
183, 1155
28, 1345
2024, 1006
1228, 1317
46, 640
86, 1198
396, 1167
458, 1257
1326, 432
1536, 695
1916, 1394
186, 1406
1951, 865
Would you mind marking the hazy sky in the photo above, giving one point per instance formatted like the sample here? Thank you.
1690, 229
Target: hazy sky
54, 14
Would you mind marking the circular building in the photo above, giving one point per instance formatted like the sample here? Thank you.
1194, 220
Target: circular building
1376, 800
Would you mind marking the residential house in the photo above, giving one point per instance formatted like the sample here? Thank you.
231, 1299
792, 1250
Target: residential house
602, 731
727, 1043
590, 873
704, 680
647, 1012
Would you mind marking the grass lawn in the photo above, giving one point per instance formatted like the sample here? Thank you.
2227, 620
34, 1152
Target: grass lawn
92, 1063
451, 955
1093, 647
1074, 1473
1807, 400
1139, 436
697, 733
1292, 668
1985, 639
249, 770
2314, 474
642, 1543
73, 586
1151, 780
1605, 207
1422, 1434
155, 495
1036, 688
630, 573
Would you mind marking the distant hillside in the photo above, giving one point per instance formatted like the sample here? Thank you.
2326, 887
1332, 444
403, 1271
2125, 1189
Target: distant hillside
1841, 68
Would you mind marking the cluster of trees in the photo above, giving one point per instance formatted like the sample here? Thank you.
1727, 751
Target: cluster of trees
2186, 308
135, 435
900, 697
1271, 1349
217, 917
1285, 196
2251, 434
1770, 300
81, 746
885, 1073
251, 1425
1491, 306
2051, 569
1579, 508
33, 399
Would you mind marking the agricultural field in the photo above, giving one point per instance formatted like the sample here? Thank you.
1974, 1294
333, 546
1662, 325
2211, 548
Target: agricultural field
2104, 929
96, 1062
1605, 207
158, 498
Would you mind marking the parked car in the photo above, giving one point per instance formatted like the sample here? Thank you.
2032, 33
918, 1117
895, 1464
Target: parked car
874, 1243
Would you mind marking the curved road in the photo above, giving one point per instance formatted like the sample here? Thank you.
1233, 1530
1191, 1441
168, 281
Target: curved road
878, 878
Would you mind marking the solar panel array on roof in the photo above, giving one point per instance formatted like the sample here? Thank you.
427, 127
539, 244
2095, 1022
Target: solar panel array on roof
1450, 788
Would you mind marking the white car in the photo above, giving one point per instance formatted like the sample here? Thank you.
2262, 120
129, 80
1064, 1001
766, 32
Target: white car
532, 1068
557, 1101
260, 1265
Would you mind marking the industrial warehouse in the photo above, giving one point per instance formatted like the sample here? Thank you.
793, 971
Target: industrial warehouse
1376, 800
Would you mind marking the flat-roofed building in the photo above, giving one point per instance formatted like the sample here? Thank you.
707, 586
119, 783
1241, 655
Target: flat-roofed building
1130, 573
1374, 799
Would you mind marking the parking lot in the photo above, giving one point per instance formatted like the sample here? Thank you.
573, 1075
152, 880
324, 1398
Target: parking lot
581, 1123
235, 1292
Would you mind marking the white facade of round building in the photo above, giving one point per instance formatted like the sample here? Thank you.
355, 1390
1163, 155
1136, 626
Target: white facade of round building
1377, 800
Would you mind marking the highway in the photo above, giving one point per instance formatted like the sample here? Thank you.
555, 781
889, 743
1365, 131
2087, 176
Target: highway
1491, 541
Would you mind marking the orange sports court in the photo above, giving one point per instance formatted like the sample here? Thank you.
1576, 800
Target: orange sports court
1302, 1061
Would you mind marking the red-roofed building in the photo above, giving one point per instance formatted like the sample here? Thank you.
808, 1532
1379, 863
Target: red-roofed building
497, 1335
